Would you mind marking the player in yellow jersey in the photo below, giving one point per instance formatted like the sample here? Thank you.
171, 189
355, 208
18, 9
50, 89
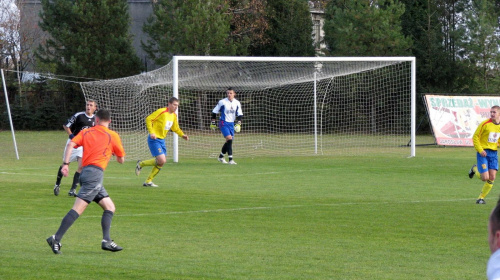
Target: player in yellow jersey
158, 124
486, 139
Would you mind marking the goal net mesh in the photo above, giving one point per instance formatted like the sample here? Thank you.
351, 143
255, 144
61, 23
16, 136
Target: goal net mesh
290, 108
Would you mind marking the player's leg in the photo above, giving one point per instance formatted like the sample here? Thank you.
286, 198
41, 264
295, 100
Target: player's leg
108, 206
155, 149
66, 223
59, 174
58, 181
76, 178
224, 129
159, 151
76, 156
482, 170
91, 183
230, 151
489, 175
473, 172
68, 220
229, 141
149, 162
160, 161
107, 217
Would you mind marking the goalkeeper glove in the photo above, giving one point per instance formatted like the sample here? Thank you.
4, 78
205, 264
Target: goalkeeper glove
237, 127
213, 126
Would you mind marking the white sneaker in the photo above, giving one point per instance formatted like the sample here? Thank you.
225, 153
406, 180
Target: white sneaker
222, 160
150, 184
232, 162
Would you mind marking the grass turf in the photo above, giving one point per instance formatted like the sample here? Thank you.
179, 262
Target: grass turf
376, 217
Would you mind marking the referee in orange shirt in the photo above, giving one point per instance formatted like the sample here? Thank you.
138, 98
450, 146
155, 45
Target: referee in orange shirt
99, 144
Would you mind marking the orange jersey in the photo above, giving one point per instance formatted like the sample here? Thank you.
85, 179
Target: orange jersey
99, 144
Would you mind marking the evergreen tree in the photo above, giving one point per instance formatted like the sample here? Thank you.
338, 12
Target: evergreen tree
289, 32
365, 28
188, 27
88, 38
481, 44
437, 70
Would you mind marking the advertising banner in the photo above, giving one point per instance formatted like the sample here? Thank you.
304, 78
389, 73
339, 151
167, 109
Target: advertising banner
454, 119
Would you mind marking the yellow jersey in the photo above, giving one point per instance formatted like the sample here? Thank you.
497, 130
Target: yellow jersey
486, 136
161, 121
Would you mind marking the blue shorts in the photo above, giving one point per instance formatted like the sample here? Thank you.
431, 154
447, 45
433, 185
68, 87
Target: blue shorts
227, 128
490, 161
157, 146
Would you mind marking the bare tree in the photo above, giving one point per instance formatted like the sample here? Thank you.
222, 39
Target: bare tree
9, 34
19, 35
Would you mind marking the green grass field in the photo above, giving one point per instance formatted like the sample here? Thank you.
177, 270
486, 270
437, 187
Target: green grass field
377, 217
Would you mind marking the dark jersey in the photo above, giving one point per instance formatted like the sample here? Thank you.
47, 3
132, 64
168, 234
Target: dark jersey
80, 121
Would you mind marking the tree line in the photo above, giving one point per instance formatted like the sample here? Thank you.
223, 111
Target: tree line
456, 42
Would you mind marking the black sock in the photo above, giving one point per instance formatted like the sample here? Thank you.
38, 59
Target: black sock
107, 216
230, 148
76, 180
66, 223
59, 176
224, 150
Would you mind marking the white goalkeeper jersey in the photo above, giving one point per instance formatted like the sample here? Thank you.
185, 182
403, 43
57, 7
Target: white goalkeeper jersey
228, 110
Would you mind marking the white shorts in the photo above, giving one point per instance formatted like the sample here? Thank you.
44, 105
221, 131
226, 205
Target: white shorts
75, 154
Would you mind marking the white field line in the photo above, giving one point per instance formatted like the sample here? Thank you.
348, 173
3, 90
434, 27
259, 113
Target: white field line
257, 208
134, 177
219, 175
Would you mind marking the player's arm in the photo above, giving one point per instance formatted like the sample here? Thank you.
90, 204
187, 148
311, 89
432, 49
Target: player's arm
68, 130
177, 129
67, 156
239, 113
118, 149
120, 159
237, 126
213, 122
476, 138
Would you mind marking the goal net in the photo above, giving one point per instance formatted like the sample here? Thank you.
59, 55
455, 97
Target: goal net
291, 106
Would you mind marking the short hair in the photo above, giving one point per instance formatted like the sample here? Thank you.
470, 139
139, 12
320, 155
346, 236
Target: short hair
230, 88
172, 100
495, 218
496, 107
93, 101
104, 115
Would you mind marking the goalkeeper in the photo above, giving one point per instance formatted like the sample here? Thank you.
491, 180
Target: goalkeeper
158, 124
486, 139
229, 122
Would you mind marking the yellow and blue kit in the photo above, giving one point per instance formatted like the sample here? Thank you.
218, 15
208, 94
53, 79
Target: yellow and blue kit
161, 121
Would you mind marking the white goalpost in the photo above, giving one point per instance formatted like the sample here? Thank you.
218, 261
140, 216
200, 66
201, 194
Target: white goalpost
292, 106
9, 114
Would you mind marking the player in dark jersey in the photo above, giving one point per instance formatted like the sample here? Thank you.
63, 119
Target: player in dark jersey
73, 126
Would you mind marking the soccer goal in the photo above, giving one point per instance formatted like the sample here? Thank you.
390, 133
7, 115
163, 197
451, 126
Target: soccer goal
292, 106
